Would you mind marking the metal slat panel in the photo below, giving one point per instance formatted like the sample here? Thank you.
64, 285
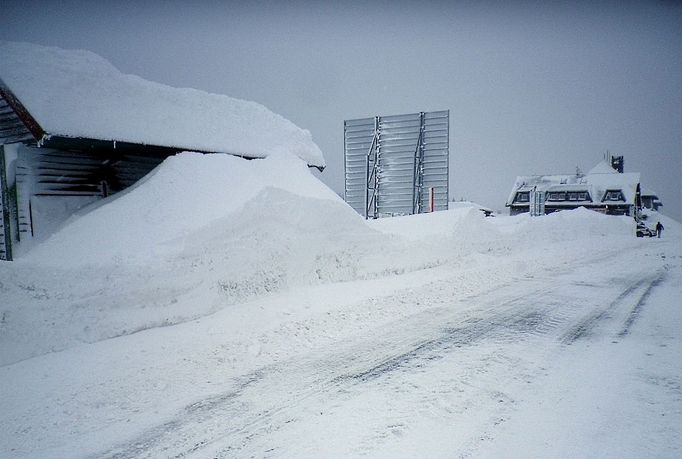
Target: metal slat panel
441, 115
363, 141
409, 157
358, 139
359, 122
433, 162
407, 142
431, 156
357, 135
405, 117
360, 127
438, 136
398, 128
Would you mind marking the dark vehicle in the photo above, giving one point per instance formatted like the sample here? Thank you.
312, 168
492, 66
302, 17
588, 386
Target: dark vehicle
644, 231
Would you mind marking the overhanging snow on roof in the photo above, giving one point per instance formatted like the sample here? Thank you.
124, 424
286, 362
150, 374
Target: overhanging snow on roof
78, 94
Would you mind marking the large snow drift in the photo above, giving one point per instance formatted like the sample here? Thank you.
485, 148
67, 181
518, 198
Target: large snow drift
200, 232
176, 202
76, 93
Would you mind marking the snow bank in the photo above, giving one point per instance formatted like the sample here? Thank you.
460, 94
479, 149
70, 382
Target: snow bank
77, 93
424, 226
158, 216
467, 224
278, 240
198, 234
575, 224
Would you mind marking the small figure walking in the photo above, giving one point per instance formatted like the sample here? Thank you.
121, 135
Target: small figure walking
659, 229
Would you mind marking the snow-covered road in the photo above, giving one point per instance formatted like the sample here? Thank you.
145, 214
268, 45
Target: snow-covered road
548, 356
442, 383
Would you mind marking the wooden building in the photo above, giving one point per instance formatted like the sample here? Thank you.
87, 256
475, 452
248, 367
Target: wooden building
45, 178
73, 129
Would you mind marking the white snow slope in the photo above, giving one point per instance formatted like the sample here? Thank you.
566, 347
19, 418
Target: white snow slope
233, 308
76, 93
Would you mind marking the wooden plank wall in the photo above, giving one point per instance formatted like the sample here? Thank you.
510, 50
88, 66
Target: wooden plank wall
46, 172
11, 128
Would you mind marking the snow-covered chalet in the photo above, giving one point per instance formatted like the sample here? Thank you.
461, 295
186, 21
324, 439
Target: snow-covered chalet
605, 188
74, 129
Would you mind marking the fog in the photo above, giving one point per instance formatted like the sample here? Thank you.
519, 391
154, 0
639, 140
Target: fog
531, 88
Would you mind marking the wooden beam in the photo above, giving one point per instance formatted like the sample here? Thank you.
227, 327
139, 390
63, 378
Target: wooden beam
5, 227
22, 113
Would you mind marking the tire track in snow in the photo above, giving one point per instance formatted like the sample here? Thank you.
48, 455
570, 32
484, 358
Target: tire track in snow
588, 323
354, 365
468, 333
634, 313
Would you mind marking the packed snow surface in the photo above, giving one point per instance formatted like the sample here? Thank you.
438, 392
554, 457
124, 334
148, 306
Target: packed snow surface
233, 308
76, 93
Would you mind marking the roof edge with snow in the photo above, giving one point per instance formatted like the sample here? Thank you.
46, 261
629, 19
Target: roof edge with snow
75, 96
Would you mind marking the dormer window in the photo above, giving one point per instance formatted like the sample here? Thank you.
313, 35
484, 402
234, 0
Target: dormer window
522, 196
556, 196
578, 196
614, 195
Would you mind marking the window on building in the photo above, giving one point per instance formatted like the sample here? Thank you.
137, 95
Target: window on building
522, 196
614, 195
556, 196
578, 196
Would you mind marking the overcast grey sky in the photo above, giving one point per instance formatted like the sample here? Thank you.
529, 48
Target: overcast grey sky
531, 87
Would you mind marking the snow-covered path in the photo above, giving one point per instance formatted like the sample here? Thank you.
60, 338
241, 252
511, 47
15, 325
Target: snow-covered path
439, 384
409, 365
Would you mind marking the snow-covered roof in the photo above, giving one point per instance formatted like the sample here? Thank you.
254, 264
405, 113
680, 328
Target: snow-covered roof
76, 93
602, 168
596, 182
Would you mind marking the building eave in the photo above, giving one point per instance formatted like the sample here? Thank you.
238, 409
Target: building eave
21, 112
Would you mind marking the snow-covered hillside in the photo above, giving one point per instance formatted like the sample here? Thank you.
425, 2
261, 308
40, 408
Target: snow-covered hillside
225, 307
